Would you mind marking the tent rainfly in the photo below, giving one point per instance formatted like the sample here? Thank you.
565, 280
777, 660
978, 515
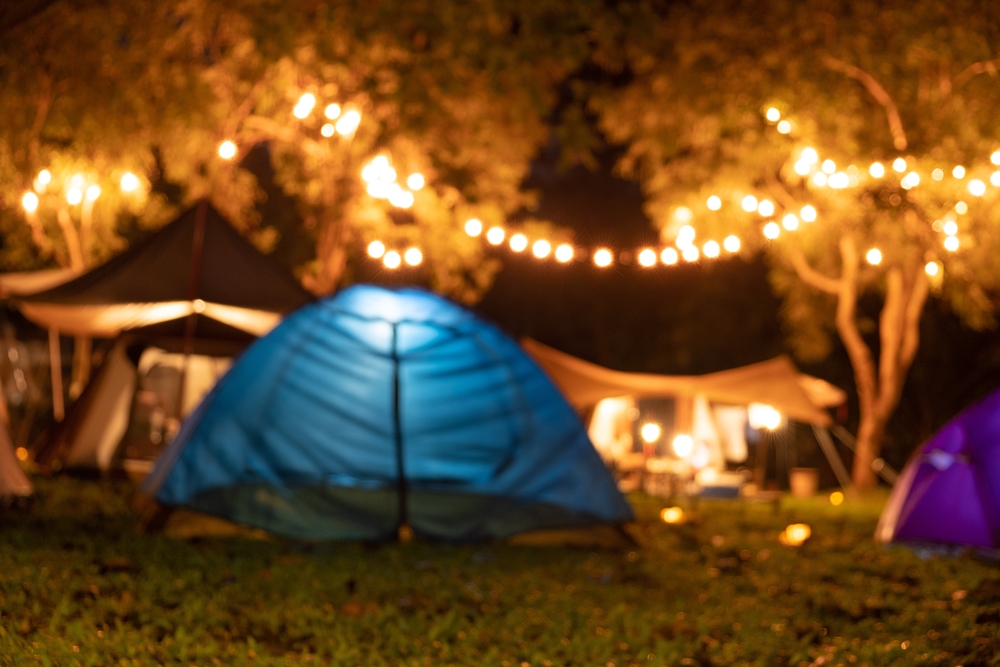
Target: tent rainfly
949, 492
375, 410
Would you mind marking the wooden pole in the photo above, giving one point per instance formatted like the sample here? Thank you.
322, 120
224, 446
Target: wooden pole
197, 251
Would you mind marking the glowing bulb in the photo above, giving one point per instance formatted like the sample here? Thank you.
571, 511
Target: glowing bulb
951, 243
874, 256
899, 164
749, 203
495, 235
415, 181
603, 258
761, 415
711, 249
647, 257
93, 192
731, 243
21, 453
808, 213
839, 180
950, 228
876, 170
518, 242
328, 130
932, 268
772, 230
683, 445
765, 208
690, 253
802, 168
473, 227
995, 178
74, 196
541, 249
685, 236
911, 180
837, 498
784, 127
937, 174
995, 157
304, 106
773, 115
819, 178
795, 535
564, 253
829, 166
77, 181
958, 171
349, 122
380, 162
44, 177
961, 208
790, 222
810, 155
714, 203
332, 111
129, 182
391, 260
379, 190
977, 187
413, 256
683, 214
672, 515
376, 249
227, 150
669, 256
650, 432
401, 198
30, 202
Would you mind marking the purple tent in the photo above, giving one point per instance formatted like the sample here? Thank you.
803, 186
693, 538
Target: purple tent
949, 492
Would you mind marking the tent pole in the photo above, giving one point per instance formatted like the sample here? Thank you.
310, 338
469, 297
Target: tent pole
197, 250
830, 451
55, 365
404, 531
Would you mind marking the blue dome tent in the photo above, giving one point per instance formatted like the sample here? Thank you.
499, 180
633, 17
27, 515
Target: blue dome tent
376, 409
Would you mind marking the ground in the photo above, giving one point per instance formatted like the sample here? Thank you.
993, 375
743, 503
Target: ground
79, 585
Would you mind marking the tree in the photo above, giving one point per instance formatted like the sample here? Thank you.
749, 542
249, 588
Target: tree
853, 143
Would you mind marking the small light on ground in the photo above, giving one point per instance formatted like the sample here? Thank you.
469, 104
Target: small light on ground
690, 253
795, 534
790, 222
837, 498
731, 243
772, 230
749, 203
672, 515
765, 208
22, 454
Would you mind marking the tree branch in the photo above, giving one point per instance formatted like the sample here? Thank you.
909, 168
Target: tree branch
911, 321
811, 276
847, 326
974, 69
878, 92
44, 104
891, 335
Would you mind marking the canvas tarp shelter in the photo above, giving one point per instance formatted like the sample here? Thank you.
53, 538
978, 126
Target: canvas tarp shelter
13, 482
775, 382
375, 410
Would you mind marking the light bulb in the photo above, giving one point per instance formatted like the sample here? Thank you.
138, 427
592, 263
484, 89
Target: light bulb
647, 257
415, 181
790, 222
951, 243
74, 196
413, 256
518, 242
765, 208
332, 111
376, 249
495, 235
749, 203
808, 213
391, 260
564, 253
784, 127
977, 187
874, 256
731, 243
876, 170
772, 115
603, 258
541, 249
958, 171
227, 150
669, 256
328, 130
473, 227
772, 230
690, 253
899, 164
829, 166
711, 249
30, 202
714, 203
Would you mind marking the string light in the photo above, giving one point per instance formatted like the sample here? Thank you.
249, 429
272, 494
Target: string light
400, 198
415, 181
348, 123
227, 150
899, 164
74, 196
810, 156
839, 180
495, 235
714, 203
518, 242
819, 178
951, 243
932, 268
332, 111
765, 208
564, 253
995, 157
772, 230
328, 130
647, 257
44, 177
731, 243
961, 208
391, 260
749, 203
304, 106
802, 168
808, 213
603, 258
790, 222
413, 256
950, 228
911, 180
995, 178
977, 187
784, 127
874, 256
30, 202
129, 182
376, 249
93, 192
683, 214
958, 172
669, 256
876, 170
828, 167
690, 253
474, 227
541, 249
937, 174
773, 115
711, 249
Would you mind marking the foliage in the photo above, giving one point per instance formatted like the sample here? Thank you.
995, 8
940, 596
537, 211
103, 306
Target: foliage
78, 585
458, 92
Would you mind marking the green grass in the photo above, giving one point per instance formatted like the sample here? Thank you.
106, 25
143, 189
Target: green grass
78, 585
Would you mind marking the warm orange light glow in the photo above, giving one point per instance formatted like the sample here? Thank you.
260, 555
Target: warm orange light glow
808, 213
749, 203
977, 187
669, 256
93, 192
784, 127
772, 230
415, 181
683, 445
690, 253
400, 198
227, 150
876, 170
129, 182
714, 203
495, 235
518, 242
932, 268
328, 130
603, 258
711, 249
950, 228
332, 111
828, 167
541, 249
22, 454
391, 260
731, 243
650, 432
473, 227
961, 208
766, 208
564, 253
683, 214
74, 196
304, 106
795, 535
685, 236
837, 498
874, 256
951, 243
810, 155
647, 257
44, 177
376, 249
773, 115
413, 256
349, 122
672, 515
790, 222
958, 171
899, 164
30, 202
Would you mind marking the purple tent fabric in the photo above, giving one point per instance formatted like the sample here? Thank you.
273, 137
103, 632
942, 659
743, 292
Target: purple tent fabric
949, 492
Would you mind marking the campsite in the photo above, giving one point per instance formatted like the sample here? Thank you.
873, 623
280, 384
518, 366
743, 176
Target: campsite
516, 334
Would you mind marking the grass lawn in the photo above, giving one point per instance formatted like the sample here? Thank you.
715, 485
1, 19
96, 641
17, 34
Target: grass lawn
78, 585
